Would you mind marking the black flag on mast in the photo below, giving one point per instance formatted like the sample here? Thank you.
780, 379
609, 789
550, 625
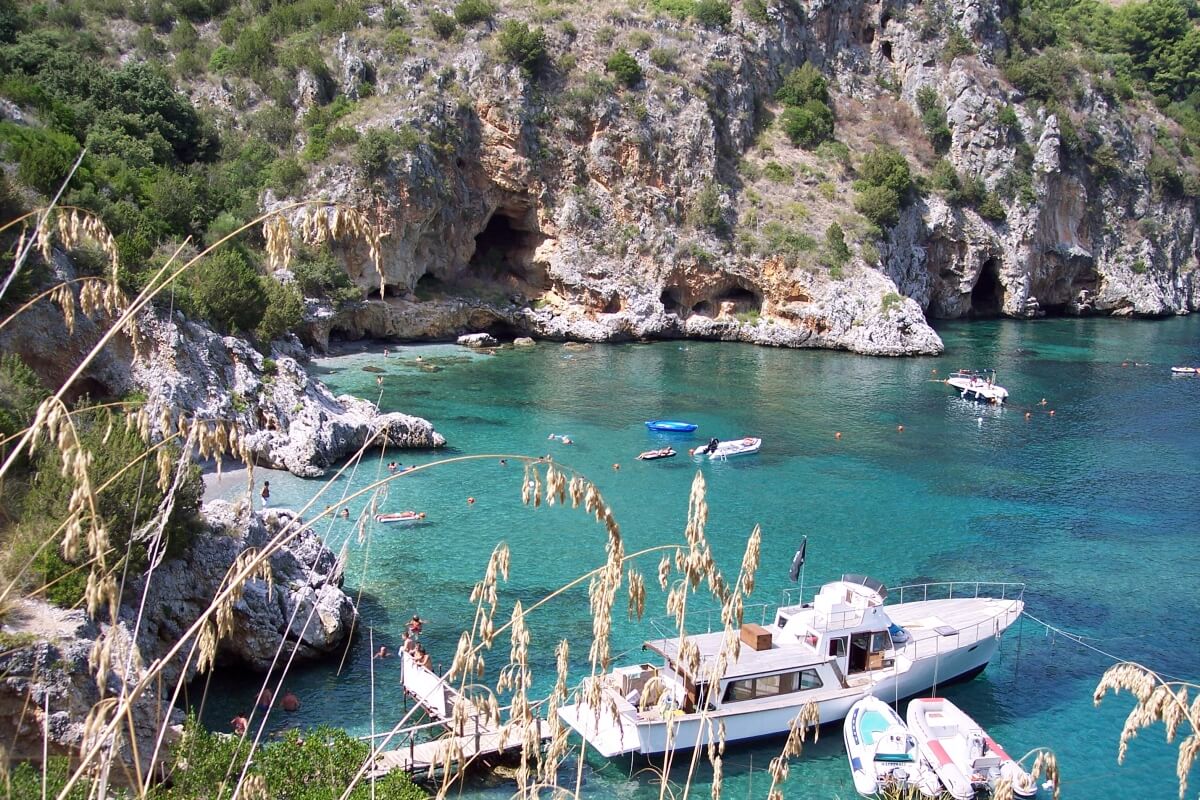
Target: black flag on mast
798, 560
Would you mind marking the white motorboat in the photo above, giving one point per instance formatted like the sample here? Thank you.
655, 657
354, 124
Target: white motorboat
883, 754
1185, 370
966, 759
716, 450
978, 385
831, 652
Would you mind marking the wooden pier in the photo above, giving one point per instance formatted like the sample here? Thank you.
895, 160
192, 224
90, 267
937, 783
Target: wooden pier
477, 738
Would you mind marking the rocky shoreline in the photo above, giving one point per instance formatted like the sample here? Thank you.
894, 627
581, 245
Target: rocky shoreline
49, 652
286, 419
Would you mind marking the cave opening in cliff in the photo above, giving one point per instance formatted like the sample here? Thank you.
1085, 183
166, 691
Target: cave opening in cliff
987, 296
672, 300
730, 302
428, 286
504, 252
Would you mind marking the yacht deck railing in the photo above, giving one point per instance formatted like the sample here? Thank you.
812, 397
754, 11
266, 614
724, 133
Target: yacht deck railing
708, 620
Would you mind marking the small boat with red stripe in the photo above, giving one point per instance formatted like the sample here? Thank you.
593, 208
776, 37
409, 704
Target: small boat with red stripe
968, 761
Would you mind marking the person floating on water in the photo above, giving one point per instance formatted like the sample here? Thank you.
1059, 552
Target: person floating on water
264, 700
345, 513
415, 626
289, 701
383, 651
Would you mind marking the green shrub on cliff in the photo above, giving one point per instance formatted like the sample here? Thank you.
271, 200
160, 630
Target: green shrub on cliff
226, 291
713, 13
807, 125
624, 67
802, 84
523, 46
284, 311
808, 120
469, 12
885, 179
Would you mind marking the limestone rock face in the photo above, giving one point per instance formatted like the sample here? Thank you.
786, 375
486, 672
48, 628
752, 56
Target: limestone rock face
570, 217
49, 652
292, 421
303, 605
41, 337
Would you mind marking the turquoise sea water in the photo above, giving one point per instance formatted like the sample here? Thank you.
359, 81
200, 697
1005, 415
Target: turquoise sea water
1095, 508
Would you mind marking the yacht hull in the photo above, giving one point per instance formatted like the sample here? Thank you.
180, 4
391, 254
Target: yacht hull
689, 731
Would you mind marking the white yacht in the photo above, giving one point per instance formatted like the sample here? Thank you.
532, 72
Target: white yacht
842, 646
976, 385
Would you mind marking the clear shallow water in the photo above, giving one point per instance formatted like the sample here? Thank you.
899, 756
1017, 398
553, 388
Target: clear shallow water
1094, 508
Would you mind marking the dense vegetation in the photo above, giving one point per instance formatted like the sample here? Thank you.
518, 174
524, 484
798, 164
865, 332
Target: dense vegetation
1124, 50
157, 170
315, 764
34, 498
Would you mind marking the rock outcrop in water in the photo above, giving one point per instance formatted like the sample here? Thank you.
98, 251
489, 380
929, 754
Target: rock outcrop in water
568, 207
290, 421
49, 653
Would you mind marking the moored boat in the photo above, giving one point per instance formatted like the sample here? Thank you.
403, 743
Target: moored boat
966, 759
1185, 370
975, 384
831, 652
670, 426
883, 754
654, 455
716, 450
400, 517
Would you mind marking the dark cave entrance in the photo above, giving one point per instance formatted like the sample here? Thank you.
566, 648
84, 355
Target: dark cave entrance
672, 301
987, 297
504, 252
731, 302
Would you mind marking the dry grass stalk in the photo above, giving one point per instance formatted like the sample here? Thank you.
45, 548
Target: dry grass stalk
1158, 700
809, 716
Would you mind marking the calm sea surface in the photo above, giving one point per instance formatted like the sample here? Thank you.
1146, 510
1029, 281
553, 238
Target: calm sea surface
1095, 508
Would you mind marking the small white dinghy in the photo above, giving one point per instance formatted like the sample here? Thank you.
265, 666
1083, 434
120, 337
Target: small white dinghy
963, 755
400, 518
1185, 370
883, 754
717, 450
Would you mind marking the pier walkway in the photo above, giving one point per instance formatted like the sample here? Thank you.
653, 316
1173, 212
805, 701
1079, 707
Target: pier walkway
478, 737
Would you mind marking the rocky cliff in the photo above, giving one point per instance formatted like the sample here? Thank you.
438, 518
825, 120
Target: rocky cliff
286, 419
563, 205
49, 655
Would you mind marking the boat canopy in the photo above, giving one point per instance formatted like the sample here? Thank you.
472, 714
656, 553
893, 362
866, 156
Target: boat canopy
862, 580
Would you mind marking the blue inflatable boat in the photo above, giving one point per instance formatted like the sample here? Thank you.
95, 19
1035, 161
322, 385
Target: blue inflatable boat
670, 426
